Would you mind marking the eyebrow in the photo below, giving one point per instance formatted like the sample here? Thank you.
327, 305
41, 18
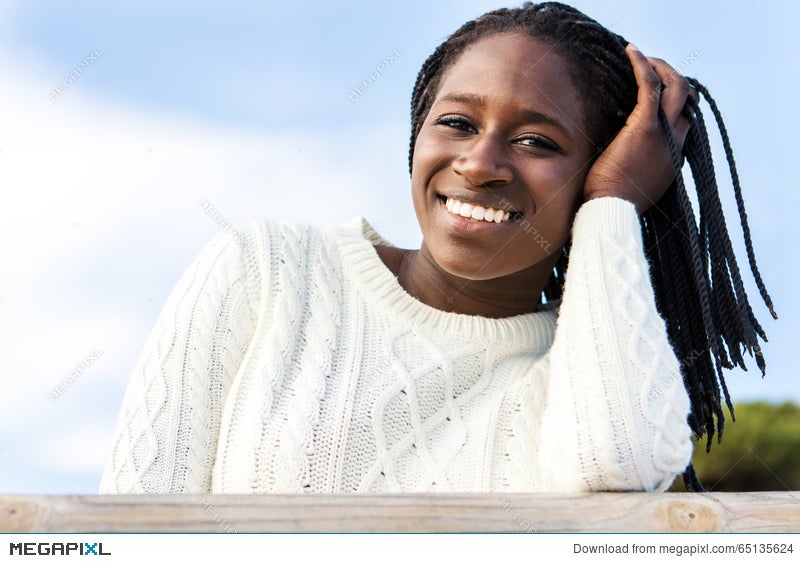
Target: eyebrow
530, 115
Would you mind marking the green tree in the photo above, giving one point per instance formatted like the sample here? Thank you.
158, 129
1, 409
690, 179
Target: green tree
759, 452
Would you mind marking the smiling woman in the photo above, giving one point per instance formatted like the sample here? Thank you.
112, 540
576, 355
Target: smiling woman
521, 348
495, 140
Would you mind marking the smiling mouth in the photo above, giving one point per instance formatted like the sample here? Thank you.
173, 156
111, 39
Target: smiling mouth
477, 212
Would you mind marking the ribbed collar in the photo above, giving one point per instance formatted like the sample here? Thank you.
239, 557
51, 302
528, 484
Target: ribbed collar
363, 265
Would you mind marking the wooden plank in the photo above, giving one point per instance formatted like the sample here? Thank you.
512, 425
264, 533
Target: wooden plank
591, 512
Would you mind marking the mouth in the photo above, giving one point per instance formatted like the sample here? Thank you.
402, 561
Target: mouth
472, 212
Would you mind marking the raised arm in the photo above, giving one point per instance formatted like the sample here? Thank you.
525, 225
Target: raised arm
616, 414
166, 435
617, 407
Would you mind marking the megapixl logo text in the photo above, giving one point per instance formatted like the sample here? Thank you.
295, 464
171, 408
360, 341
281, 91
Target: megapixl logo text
47, 548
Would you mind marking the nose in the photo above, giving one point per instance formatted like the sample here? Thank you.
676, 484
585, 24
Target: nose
483, 163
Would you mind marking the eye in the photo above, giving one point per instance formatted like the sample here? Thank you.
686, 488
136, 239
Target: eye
537, 142
456, 122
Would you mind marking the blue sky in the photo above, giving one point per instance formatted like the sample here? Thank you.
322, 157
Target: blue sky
248, 105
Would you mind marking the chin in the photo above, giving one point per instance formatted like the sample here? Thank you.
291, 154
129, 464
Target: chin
472, 269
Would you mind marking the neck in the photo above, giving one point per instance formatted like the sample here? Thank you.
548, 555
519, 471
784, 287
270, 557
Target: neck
422, 278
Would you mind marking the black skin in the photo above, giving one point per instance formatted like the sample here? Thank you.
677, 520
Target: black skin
506, 130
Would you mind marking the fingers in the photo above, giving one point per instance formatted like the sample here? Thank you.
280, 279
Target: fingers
674, 99
659, 83
648, 81
675, 89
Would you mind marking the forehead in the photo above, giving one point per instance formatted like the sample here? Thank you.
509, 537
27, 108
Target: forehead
516, 70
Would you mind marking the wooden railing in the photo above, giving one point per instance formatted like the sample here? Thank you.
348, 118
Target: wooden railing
596, 512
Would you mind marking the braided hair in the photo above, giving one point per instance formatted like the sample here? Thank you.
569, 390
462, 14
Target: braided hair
696, 279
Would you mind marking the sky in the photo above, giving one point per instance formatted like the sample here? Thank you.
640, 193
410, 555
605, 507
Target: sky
118, 121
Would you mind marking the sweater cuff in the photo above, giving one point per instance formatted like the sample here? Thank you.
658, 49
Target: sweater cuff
606, 215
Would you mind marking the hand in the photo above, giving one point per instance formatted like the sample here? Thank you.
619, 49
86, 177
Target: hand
637, 165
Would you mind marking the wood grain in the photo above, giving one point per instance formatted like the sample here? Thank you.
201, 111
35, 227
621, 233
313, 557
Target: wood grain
594, 512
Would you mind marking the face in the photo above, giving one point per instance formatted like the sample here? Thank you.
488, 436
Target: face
500, 160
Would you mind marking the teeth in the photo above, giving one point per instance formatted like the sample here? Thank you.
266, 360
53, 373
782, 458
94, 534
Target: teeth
469, 211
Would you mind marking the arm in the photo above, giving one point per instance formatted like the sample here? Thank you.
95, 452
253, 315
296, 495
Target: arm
616, 398
166, 435
616, 413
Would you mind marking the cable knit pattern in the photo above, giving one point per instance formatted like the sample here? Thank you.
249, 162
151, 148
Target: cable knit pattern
167, 432
289, 359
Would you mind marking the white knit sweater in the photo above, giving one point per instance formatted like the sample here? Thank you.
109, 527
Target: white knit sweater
289, 359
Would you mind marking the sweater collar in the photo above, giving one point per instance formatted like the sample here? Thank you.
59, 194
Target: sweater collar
357, 240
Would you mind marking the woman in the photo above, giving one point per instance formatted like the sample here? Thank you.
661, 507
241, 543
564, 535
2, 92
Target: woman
290, 359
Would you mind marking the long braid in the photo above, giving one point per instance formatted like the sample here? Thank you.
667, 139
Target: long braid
698, 270
737, 190
713, 196
713, 234
696, 279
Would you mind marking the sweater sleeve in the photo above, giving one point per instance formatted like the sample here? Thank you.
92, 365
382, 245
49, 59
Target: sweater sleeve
616, 408
166, 434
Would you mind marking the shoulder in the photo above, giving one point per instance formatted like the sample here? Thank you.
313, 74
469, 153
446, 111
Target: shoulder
265, 230
265, 240
357, 229
269, 247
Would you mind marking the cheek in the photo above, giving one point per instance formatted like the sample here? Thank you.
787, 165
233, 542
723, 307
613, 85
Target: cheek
558, 184
558, 195
429, 156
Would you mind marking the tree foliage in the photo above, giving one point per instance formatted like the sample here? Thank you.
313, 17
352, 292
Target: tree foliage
759, 452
